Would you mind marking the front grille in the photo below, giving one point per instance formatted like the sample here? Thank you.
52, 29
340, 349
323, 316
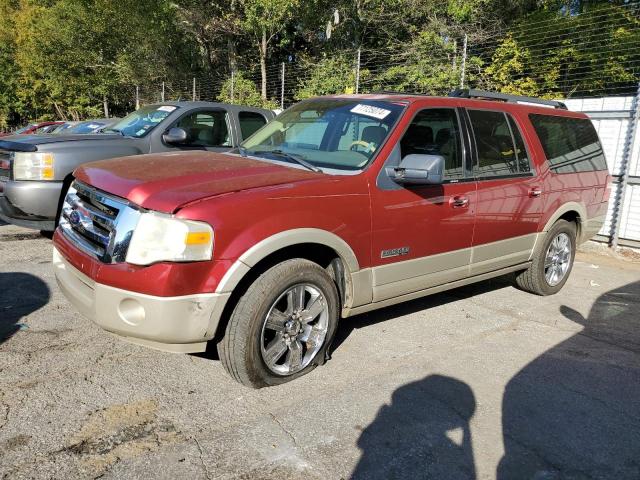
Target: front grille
5, 166
98, 223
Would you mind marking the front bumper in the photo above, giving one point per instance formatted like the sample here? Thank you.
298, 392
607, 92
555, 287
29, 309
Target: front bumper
180, 324
30, 204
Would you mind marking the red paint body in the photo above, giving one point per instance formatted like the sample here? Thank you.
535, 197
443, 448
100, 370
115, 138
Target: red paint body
248, 200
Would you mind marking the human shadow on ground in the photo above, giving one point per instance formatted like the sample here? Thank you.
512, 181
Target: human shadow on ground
20, 295
574, 412
422, 434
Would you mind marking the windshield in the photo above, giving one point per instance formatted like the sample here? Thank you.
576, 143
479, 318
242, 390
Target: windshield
62, 128
328, 133
142, 121
85, 127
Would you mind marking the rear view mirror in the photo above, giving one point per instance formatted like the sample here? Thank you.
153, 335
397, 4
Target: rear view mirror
175, 136
419, 169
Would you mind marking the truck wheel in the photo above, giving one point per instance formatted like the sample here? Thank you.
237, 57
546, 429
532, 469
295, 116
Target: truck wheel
282, 326
552, 263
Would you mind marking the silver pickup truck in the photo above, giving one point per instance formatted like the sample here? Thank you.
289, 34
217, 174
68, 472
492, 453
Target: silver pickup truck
36, 170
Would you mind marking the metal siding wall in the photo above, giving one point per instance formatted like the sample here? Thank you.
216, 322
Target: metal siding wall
612, 133
630, 221
606, 228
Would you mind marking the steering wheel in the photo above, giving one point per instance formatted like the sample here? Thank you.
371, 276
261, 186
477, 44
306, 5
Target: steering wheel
361, 143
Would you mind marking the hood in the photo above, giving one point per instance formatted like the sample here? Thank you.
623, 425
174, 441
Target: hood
166, 181
46, 139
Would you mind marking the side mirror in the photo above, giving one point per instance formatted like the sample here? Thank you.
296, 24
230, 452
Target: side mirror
419, 169
175, 136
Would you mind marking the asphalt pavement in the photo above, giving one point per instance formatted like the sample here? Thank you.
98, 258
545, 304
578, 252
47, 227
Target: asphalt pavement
482, 382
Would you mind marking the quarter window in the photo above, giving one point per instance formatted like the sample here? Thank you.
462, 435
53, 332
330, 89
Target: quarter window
570, 144
206, 129
250, 122
435, 131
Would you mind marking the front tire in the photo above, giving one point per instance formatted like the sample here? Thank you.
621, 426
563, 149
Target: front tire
282, 326
552, 263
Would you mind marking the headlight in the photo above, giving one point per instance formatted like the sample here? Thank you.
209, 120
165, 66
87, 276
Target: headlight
163, 238
33, 166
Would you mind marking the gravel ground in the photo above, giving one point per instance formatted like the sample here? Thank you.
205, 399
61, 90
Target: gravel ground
480, 382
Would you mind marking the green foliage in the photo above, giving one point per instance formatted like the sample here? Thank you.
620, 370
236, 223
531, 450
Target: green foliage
8, 71
556, 65
330, 76
66, 58
243, 91
429, 65
70, 56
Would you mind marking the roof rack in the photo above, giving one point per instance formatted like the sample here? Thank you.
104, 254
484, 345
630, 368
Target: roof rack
482, 94
398, 92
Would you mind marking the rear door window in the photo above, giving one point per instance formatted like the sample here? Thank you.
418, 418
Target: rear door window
250, 122
495, 147
570, 144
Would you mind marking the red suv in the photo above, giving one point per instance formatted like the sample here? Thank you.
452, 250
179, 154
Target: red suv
339, 206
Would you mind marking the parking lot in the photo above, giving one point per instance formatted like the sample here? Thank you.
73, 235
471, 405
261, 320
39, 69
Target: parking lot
479, 382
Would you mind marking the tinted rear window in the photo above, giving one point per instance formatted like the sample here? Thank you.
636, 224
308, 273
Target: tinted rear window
570, 144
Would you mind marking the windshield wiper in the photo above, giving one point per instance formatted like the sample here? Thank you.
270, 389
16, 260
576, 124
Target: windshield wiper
289, 156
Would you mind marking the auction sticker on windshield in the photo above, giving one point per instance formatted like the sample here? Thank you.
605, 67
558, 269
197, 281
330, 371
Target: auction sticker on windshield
370, 111
166, 108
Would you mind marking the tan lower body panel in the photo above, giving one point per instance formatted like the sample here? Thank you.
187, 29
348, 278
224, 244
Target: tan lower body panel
429, 291
502, 254
401, 278
409, 276
175, 324
590, 228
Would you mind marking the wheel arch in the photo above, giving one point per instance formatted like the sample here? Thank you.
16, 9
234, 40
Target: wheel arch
572, 212
319, 246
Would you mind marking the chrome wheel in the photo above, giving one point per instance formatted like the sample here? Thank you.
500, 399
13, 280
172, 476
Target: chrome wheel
294, 329
557, 260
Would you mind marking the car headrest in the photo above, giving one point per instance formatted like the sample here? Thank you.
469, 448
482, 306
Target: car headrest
418, 134
373, 134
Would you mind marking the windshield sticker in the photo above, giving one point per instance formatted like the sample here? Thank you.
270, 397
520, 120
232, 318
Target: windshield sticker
93, 125
166, 108
141, 131
370, 111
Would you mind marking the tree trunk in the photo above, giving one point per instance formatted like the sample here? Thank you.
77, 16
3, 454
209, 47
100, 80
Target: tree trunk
263, 64
105, 104
233, 60
61, 114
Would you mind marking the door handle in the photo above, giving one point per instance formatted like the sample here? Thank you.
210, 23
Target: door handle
459, 201
535, 192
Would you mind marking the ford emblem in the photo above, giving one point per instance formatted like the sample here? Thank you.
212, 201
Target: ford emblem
74, 218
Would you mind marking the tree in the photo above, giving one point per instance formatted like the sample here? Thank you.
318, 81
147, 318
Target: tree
332, 75
8, 72
239, 89
263, 20
592, 53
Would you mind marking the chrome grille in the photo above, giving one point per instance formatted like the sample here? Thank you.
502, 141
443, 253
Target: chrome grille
98, 223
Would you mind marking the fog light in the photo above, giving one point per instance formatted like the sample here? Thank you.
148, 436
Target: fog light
131, 312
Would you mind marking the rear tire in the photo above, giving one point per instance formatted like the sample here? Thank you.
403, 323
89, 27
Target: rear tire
552, 262
282, 326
